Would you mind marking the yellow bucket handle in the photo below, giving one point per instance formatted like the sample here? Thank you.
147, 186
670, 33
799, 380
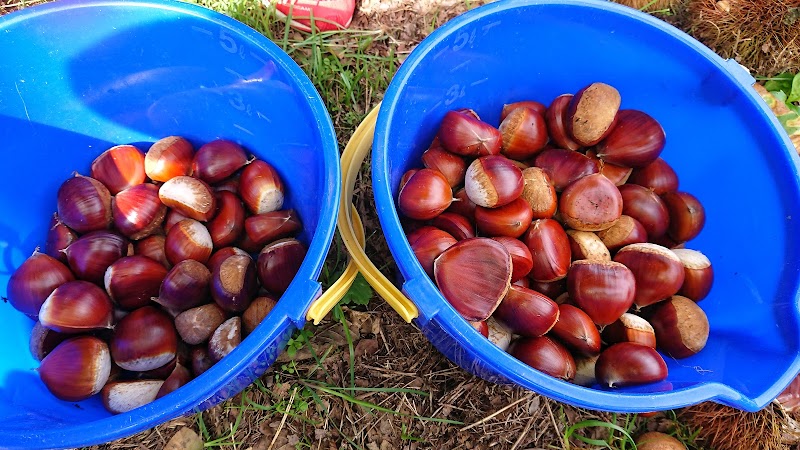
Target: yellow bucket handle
352, 231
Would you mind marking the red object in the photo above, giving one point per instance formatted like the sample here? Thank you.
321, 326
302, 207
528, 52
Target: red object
328, 15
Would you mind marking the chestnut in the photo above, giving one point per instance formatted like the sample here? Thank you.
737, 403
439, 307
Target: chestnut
132, 281
510, 220
428, 243
84, 204
630, 328
168, 158
259, 308
586, 245
452, 166
497, 333
180, 376
556, 117
279, 262
228, 224
626, 230
92, 253
698, 274
466, 135
592, 113
234, 283
218, 160
527, 312
646, 207
591, 203
59, 237
119, 168
137, 211
549, 246
221, 255
658, 176
481, 327
34, 280
686, 215
225, 338
456, 225
122, 396
563, 167
185, 286
76, 307
603, 289
189, 196
630, 364
195, 325
544, 354
188, 239
261, 188
521, 258
493, 181
43, 340
461, 204
636, 140
538, 107
576, 330
143, 340
153, 248
425, 195
539, 193
658, 271
552, 289
200, 360
77, 368
681, 327
474, 275
267, 227
618, 175
524, 133
585, 370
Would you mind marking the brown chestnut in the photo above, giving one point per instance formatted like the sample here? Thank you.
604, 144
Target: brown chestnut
474, 275
527, 312
626, 230
576, 330
137, 211
76, 307
630, 328
428, 243
279, 262
549, 246
455, 225
225, 338
524, 133
591, 203
686, 215
563, 167
168, 158
218, 160
234, 283
592, 113
586, 245
658, 271
34, 280
452, 166
189, 196
196, 325
636, 140
544, 354
698, 274
132, 281
510, 220
493, 181
521, 258
119, 168
228, 224
271, 226
629, 364
603, 289
646, 207
556, 117
464, 134
77, 368
143, 340
539, 193
658, 176
84, 204
425, 195
681, 327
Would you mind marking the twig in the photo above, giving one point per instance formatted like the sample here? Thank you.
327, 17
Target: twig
283, 419
489, 417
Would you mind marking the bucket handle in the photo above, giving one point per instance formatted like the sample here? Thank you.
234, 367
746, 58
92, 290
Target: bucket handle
352, 232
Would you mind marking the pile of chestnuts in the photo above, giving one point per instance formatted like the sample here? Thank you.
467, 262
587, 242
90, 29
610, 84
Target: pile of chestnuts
155, 267
560, 235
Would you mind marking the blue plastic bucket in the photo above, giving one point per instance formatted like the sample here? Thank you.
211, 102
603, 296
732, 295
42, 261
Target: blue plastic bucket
723, 141
79, 77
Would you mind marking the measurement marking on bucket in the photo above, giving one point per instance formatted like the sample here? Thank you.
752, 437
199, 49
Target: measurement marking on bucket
458, 67
236, 125
234, 73
454, 93
489, 26
202, 30
462, 39
259, 58
229, 44
475, 83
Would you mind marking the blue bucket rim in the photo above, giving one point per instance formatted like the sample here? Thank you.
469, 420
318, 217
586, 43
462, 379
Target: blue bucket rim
432, 304
285, 316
